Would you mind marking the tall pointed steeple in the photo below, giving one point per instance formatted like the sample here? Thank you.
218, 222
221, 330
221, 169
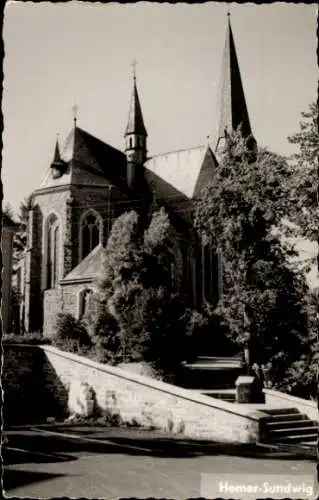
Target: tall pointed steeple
135, 123
135, 135
232, 103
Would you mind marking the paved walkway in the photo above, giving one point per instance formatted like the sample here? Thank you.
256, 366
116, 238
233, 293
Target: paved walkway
83, 461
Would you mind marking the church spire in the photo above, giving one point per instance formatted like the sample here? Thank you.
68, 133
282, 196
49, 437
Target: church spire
135, 123
58, 166
57, 155
232, 103
135, 135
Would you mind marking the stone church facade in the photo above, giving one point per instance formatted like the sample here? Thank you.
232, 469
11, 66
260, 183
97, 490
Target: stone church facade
89, 184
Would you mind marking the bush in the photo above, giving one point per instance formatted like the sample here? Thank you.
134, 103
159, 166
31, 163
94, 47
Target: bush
101, 354
71, 335
28, 338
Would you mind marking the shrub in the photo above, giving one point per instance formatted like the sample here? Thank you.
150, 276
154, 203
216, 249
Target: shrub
101, 354
71, 334
109, 418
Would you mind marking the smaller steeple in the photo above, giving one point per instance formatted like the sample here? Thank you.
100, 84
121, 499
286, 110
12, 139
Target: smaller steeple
58, 166
135, 135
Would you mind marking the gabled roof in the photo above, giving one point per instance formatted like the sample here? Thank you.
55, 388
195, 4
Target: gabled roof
91, 151
182, 169
231, 100
135, 123
88, 269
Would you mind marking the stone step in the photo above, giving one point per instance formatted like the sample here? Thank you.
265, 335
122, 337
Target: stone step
218, 367
283, 417
310, 429
208, 379
294, 422
274, 412
225, 394
298, 438
219, 358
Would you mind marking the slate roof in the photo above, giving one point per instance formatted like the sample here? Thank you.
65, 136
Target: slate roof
231, 101
88, 269
135, 123
96, 155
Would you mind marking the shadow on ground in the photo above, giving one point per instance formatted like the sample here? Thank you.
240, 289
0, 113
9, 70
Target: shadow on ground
38, 446
17, 478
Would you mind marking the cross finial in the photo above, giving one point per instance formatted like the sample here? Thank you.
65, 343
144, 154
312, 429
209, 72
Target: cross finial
207, 139
75, 110
134, 64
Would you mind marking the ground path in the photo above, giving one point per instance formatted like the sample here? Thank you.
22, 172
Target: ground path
83, 461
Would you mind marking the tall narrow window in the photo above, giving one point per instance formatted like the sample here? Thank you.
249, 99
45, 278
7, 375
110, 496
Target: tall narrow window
52, 253
91, 232
85, 302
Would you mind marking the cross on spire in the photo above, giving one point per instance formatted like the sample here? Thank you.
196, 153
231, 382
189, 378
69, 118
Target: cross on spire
75, 110
134, 64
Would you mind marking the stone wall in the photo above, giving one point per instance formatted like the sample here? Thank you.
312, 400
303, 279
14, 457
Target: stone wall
6, 276
145, 401
70, 296
26, 395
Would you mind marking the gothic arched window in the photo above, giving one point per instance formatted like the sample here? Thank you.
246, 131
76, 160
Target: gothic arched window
90, 232
52, 253
85, 302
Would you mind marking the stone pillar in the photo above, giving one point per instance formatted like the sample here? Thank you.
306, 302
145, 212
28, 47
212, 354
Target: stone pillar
33, 295
249, 390
244, 389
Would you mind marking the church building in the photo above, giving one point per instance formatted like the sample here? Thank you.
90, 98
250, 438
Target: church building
90, 183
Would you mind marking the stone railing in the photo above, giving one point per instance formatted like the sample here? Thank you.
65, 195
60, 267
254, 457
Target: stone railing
305, 406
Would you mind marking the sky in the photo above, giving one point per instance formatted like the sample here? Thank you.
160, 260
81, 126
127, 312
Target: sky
59, 54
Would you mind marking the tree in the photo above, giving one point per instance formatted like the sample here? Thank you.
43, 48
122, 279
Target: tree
20, 239
304, 210
302, 377
136, 289
8, 211
263, 298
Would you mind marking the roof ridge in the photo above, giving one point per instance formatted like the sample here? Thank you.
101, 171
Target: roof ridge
203, 146
83, 262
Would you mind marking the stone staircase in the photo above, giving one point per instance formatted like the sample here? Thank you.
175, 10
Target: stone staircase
289, 426
211, 373
228, 395
284, 425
